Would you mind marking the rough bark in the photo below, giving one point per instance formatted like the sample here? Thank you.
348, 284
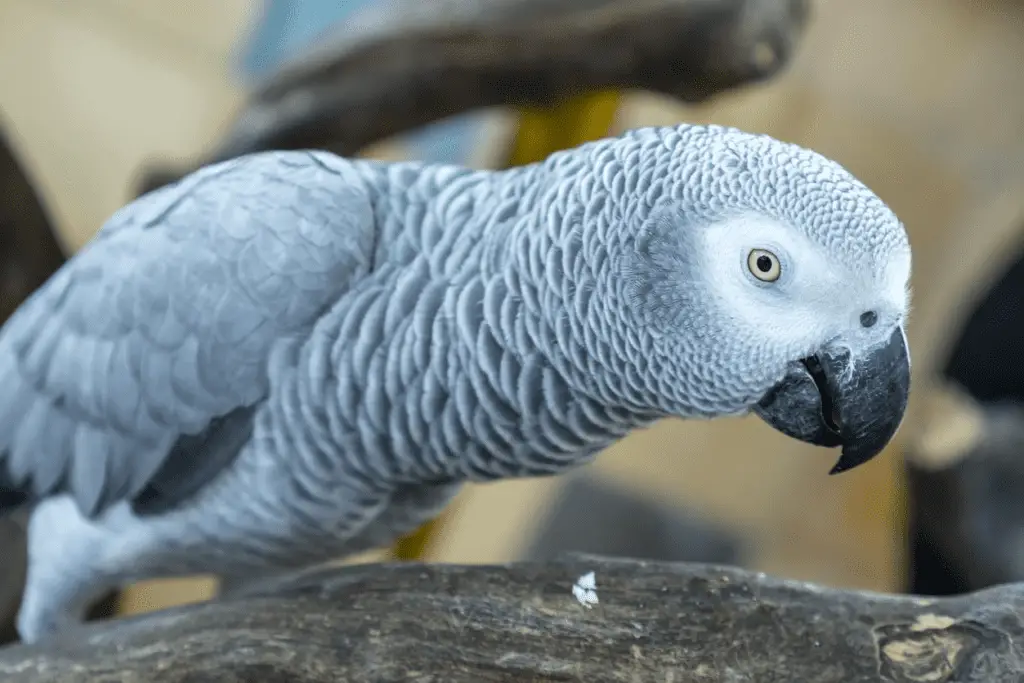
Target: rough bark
404, 64
521, 622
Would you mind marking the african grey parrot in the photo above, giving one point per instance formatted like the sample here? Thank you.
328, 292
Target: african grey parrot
291, 356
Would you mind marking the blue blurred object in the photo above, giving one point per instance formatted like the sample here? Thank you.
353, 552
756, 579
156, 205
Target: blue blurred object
288, 26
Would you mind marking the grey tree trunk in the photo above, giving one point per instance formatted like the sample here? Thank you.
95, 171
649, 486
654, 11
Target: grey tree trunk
684, 623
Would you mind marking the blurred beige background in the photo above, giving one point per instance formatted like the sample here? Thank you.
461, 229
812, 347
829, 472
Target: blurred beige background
922, 99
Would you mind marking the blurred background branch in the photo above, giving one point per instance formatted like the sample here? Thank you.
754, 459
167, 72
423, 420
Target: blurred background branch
30, 250
398, 66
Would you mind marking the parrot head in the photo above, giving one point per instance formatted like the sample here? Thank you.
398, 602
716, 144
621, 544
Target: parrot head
770, 280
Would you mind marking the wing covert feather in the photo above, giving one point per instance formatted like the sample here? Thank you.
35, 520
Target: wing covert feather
165, 320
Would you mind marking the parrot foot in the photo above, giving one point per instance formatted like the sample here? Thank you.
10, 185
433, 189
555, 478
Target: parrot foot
40, 619
64, 576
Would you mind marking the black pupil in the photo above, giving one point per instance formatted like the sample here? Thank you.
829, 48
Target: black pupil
764, 263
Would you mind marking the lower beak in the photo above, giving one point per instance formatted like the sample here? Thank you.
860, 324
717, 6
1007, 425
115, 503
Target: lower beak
835, 399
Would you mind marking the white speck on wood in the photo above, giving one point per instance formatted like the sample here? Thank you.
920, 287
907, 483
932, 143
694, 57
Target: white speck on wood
585, 590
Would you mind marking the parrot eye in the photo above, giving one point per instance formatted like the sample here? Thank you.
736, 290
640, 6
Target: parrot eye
764, 265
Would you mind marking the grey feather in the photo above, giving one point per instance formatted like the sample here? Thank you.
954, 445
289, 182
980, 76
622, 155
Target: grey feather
193, 461
164, 322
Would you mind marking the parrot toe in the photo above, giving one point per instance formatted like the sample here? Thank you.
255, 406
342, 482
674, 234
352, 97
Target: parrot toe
64, 577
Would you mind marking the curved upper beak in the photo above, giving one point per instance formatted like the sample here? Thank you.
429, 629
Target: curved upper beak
836, 399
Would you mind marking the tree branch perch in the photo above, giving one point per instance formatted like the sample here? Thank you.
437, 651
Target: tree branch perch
411, 62
521, 622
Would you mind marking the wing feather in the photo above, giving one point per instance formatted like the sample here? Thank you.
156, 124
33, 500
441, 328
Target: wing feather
140, 346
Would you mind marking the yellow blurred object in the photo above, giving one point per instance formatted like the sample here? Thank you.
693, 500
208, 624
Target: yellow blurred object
414, 546
541, 132
157, 594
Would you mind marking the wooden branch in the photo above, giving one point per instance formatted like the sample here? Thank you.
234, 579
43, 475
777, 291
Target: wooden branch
521, 622
412, 62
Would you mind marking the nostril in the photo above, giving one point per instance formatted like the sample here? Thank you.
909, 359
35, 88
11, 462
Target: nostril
868, 318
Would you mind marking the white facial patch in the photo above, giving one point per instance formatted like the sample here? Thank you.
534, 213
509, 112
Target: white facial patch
897, 281
786, 311
817, 296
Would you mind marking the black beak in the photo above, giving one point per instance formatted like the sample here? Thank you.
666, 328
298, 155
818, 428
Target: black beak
831, 399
